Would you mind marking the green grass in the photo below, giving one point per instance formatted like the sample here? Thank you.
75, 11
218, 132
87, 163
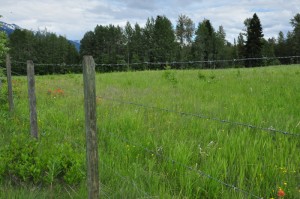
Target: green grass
147, 153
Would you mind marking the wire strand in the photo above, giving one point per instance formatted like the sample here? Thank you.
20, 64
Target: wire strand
202, 173
270, 129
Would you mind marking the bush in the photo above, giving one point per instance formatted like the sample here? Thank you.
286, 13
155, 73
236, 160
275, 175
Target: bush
24, 160
170, 76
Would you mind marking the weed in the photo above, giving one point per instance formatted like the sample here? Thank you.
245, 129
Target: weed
170, 75
201, 76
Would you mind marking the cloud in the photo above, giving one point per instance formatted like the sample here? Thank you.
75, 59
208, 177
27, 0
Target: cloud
73, 18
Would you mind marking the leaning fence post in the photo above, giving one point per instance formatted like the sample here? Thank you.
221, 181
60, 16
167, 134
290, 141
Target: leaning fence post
32, 99
91, 127
9, 83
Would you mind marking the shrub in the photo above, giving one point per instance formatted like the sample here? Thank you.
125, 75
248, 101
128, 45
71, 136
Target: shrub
24, 160
170, 76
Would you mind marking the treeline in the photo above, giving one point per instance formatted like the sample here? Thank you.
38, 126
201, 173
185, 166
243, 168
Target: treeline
158, 41
42, 47
133, 47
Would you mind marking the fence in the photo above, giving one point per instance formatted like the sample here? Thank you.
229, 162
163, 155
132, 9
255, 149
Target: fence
90, 120
62, 68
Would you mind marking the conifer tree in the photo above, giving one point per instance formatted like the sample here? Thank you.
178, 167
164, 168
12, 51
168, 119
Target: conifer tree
254, 42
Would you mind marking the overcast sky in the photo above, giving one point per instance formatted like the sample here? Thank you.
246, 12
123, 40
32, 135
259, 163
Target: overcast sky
73, 18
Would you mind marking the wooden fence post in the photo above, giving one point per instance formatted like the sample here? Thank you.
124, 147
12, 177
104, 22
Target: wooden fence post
9, 84
32, 99
91, 127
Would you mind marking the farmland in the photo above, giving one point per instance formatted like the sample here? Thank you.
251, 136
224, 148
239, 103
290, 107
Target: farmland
161, 134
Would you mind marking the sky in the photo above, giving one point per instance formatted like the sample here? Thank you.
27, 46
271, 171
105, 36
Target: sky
73, 18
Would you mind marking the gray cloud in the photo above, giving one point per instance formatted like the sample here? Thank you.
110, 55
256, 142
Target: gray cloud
73, 18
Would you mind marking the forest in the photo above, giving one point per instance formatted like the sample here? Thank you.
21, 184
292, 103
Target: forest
133, 47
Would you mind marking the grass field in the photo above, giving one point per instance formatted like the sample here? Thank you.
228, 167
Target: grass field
152, 153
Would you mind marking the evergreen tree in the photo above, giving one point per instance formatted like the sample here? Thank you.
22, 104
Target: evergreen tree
128, 31
241, 49
42, 47
280, 48
204, 47
88, 44
295, 22
268, 51
148, 37
139, 52
164, 39
254, 41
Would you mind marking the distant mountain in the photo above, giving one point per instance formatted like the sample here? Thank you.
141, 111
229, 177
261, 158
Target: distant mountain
76, 43
10, 28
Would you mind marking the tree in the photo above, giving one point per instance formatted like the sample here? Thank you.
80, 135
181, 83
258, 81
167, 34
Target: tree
185, 30
254, 41
43, 47
204, 45
138, 52
241, 51
268, 51
3, 45
280, 48
164, 39
295, 22
128, 31
148, 37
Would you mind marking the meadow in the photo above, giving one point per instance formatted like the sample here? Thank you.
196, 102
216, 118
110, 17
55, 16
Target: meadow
161, 134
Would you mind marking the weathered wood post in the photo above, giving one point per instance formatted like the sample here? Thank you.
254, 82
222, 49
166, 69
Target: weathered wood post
9, 83
91, 127
32, 99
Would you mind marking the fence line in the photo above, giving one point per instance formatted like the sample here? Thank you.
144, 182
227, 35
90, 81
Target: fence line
198, 62
163, 63
270, 129
190, 168
201, 173
18, 74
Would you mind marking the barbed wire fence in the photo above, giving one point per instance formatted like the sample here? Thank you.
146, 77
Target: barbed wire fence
63, 68
183, 114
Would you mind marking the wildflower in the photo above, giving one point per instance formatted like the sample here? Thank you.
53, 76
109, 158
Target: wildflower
280, 193
59, 91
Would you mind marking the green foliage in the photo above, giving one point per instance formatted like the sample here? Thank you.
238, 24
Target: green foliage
151, 153
184, 30
170, 76
3, 46
254, 41
42, 47
201, 76
25, 160
3, 93
19, 159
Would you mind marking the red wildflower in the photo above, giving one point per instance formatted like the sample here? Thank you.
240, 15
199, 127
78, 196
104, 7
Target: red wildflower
280, 193
59, 91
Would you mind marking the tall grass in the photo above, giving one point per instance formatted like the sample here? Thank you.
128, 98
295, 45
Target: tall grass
147, 153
